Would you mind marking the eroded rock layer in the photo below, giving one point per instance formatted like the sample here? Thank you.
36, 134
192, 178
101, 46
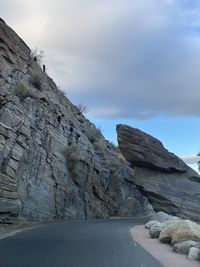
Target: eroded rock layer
169, 184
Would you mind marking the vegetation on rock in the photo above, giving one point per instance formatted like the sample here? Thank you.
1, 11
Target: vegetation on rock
22, 90
72, 155
36, 80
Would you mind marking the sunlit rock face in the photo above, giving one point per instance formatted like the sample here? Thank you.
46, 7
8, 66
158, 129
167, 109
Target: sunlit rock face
169, 184
54, 163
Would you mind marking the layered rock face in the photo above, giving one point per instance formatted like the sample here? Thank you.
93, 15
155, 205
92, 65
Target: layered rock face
169, 184
54, 163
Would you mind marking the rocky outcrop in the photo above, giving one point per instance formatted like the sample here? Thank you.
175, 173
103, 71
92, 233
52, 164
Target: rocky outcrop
169, 184
54, 163
143, 150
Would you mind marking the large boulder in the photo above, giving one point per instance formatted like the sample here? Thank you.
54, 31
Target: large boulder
155, 227
170, 185
143, 150
179, 231
184, 247
149, 224
162, 217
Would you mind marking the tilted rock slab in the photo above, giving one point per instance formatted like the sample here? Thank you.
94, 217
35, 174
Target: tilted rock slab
54, 163
169, 184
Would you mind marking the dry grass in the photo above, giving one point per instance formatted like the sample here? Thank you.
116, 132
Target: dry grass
72, 155
22, 90
36, 80
99, 145
121, 158
93, 134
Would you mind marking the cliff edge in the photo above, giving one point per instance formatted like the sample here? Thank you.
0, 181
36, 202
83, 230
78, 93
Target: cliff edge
54, 163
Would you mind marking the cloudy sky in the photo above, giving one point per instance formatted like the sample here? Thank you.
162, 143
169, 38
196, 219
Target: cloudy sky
128, 61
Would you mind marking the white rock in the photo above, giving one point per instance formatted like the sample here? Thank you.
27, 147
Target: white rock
179, 231
162, 216
194, 253
156, 228
150, 223
184, 247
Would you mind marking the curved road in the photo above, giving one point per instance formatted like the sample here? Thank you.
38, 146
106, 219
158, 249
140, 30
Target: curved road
98, 243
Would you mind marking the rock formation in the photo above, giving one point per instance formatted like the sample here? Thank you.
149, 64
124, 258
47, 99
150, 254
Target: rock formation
169, 184
54, 163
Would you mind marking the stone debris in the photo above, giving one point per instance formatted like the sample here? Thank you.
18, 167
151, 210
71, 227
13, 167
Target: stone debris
184, 247
183, 235
194, 253
180, 231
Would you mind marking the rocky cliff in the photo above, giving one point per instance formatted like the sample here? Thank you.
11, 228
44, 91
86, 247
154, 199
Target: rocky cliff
54, 163
169, 184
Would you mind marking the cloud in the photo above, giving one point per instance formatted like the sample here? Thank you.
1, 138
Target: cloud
191, 159
122, 58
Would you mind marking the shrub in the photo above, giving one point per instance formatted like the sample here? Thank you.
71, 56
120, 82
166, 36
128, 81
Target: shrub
37, 55
36, 80
82, 108
93, 134
72, 154
22, 90
99, 145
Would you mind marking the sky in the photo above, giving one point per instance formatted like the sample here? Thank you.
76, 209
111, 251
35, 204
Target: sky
131, 62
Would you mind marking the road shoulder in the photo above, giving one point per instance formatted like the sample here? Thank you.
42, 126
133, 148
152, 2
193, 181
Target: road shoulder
162, 252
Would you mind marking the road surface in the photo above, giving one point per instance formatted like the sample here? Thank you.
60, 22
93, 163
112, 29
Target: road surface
98, 243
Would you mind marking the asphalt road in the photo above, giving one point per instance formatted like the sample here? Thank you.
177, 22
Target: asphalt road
98, 243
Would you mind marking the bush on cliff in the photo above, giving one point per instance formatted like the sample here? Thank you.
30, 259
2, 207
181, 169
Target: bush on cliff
72, 155
22, 90
36, 80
